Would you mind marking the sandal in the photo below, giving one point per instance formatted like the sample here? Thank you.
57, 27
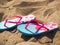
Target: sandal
36, 27
7, 24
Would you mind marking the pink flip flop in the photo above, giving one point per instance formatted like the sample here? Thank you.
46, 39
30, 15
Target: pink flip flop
36, 27
7, 24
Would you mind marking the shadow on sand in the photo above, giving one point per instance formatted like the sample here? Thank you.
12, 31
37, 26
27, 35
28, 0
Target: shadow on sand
49, 34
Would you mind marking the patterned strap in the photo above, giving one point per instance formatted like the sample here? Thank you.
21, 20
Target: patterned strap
6, 21
37, 24
27, 25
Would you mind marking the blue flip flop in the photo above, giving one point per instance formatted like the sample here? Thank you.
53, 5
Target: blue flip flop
7, 24
31, 29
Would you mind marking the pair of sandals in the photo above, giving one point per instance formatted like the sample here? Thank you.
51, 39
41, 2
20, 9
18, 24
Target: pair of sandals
28, 25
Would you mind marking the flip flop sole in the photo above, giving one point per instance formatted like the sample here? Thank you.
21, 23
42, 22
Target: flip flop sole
31, 30
8, 25
2, 27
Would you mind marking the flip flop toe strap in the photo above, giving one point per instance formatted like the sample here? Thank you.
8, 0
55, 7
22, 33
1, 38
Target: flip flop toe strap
39, 25
7, 20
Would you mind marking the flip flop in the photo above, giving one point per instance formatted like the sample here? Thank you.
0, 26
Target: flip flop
32, 28
7, 24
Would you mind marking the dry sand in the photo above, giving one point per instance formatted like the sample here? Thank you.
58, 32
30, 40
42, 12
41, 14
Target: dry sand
44, 10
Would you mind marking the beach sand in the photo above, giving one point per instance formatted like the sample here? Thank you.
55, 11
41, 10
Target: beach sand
44, 10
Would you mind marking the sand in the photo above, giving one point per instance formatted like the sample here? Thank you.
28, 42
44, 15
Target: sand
44, 10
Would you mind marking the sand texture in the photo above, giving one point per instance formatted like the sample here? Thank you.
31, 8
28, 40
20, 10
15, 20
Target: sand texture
44, 10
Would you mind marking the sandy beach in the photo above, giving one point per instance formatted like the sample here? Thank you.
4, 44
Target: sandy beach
44, 10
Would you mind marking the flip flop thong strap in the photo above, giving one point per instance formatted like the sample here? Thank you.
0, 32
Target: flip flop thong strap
16, 22
38, 24
7, 20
